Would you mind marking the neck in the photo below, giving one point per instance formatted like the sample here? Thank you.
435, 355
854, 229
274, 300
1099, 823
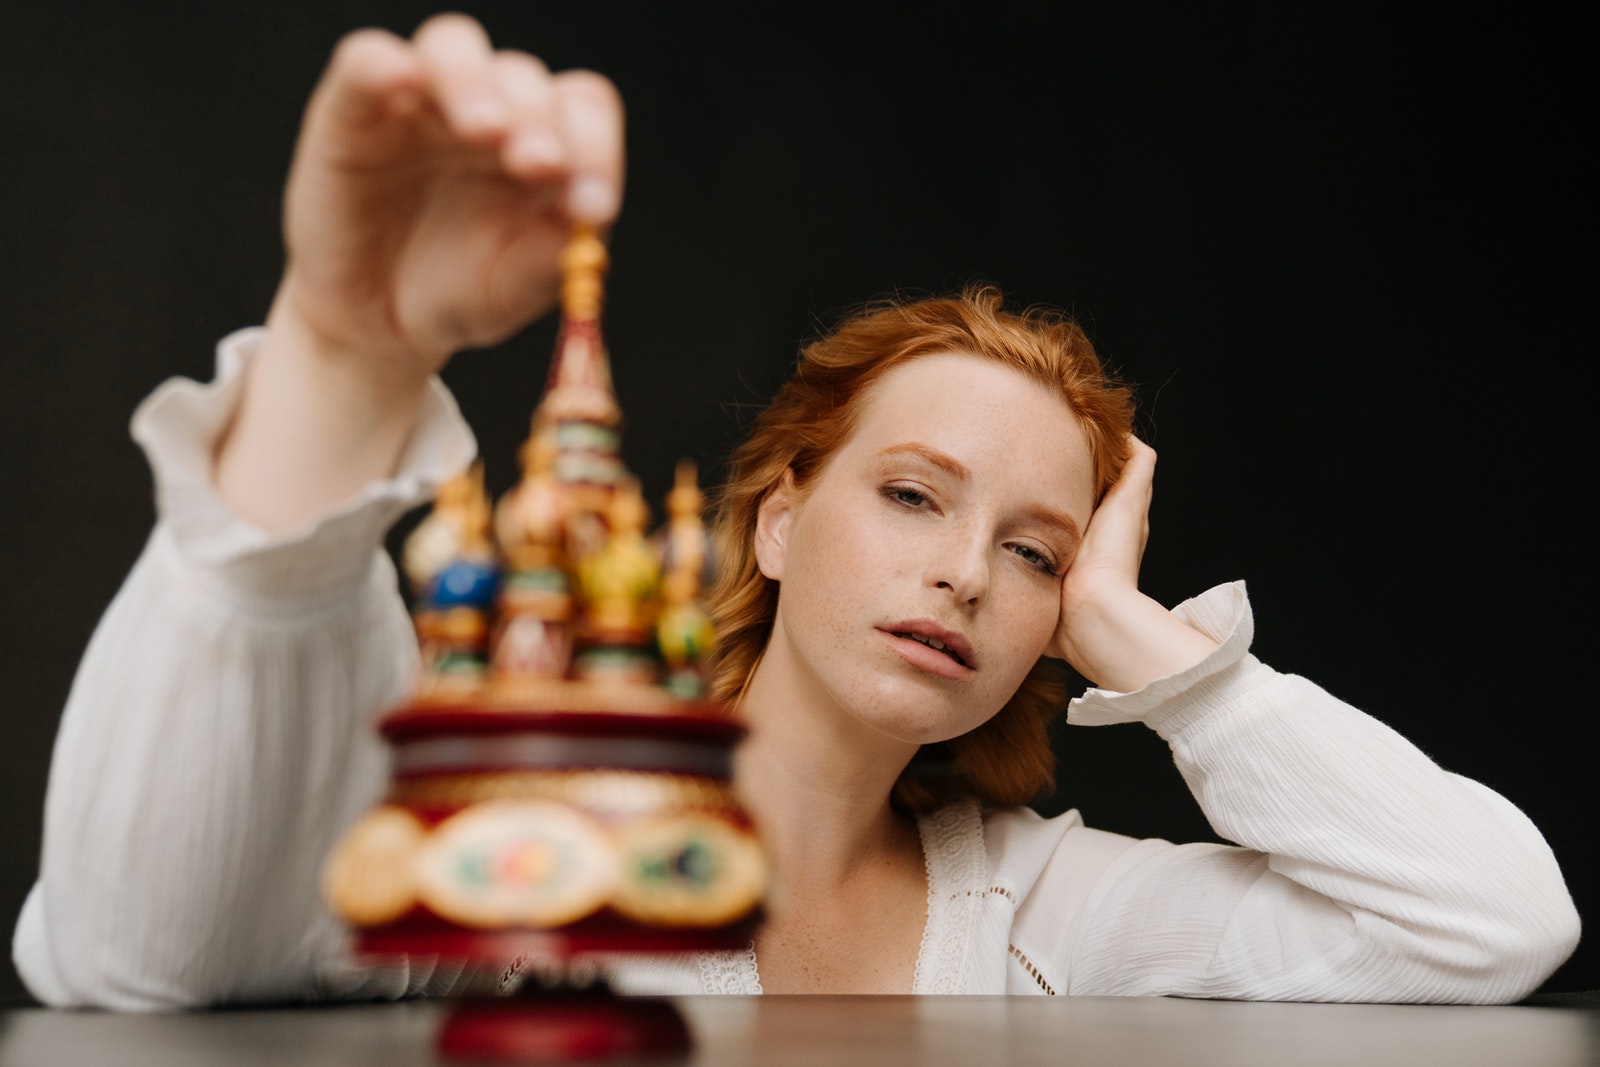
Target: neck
817, 782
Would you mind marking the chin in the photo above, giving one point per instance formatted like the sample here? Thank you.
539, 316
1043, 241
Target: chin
917, 718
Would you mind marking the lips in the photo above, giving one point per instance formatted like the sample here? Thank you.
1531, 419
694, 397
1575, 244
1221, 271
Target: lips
935, 644
946, 642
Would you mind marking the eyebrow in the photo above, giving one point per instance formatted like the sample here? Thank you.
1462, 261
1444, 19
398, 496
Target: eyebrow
1058, 519
1039, 513
944, 461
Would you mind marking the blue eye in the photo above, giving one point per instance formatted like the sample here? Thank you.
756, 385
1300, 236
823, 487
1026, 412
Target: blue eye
1033, 556
901, 494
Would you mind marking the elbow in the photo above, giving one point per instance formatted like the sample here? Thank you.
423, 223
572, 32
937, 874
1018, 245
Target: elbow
42, 974
1505, 929
96, 988
1498, 962
113, 988
1525, 954
1532, 931
94, 975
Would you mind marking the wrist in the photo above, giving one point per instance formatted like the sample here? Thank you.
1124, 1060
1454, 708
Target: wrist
316, 422
367, 372
1123, 643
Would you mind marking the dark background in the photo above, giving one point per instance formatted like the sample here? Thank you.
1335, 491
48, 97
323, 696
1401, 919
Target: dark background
1345, 254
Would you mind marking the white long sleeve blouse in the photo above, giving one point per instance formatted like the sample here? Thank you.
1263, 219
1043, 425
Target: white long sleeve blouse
218, 737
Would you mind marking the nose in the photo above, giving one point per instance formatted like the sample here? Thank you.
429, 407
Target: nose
961, 564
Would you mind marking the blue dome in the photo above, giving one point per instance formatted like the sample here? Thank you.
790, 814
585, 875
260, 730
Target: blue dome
465, 583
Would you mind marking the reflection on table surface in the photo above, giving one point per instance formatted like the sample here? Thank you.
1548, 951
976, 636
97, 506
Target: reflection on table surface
882, 1031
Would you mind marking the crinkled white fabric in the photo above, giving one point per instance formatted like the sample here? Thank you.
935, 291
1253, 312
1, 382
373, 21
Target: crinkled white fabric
217, 739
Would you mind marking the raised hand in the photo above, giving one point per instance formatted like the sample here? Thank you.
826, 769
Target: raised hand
1110, 632
433, 187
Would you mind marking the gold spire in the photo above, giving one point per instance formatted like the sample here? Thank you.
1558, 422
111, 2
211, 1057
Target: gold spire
579, 388
583, 267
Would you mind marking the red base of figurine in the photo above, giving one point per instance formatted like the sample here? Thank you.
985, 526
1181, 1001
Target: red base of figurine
563, 1027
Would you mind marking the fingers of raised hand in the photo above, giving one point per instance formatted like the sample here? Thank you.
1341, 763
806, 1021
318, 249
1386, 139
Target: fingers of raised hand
1145, 478
1120, 526
1138, 474
565, 125
591, 116
458, 61
372, 75
534, 145
547, 125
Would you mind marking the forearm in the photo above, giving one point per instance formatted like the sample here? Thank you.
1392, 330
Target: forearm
314, 424
1380, 876
1441, 869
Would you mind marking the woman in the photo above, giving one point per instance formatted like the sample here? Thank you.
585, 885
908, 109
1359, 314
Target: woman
945, 493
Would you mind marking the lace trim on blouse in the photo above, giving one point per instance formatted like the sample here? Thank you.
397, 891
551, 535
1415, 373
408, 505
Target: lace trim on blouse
730, 972
952, 849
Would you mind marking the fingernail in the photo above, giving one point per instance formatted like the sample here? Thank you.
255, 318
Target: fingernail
592, 198
536, 148
483, 113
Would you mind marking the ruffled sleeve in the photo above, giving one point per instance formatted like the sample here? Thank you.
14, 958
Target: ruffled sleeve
218, 734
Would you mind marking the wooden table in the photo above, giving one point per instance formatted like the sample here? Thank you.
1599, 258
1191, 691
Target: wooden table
881, 1031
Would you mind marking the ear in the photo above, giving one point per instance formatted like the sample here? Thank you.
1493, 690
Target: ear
773, 518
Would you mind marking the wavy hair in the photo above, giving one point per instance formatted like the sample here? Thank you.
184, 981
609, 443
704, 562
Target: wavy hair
1008, 760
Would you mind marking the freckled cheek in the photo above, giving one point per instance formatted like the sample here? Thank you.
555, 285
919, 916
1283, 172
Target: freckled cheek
1027, 623
825, 594
842, 564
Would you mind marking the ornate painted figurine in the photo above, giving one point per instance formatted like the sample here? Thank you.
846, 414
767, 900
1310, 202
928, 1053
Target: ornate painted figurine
683, 630
561, 789
454, 572
533, 634
621, 583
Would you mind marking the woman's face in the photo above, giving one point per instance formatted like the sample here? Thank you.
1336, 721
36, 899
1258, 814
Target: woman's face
920, 569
